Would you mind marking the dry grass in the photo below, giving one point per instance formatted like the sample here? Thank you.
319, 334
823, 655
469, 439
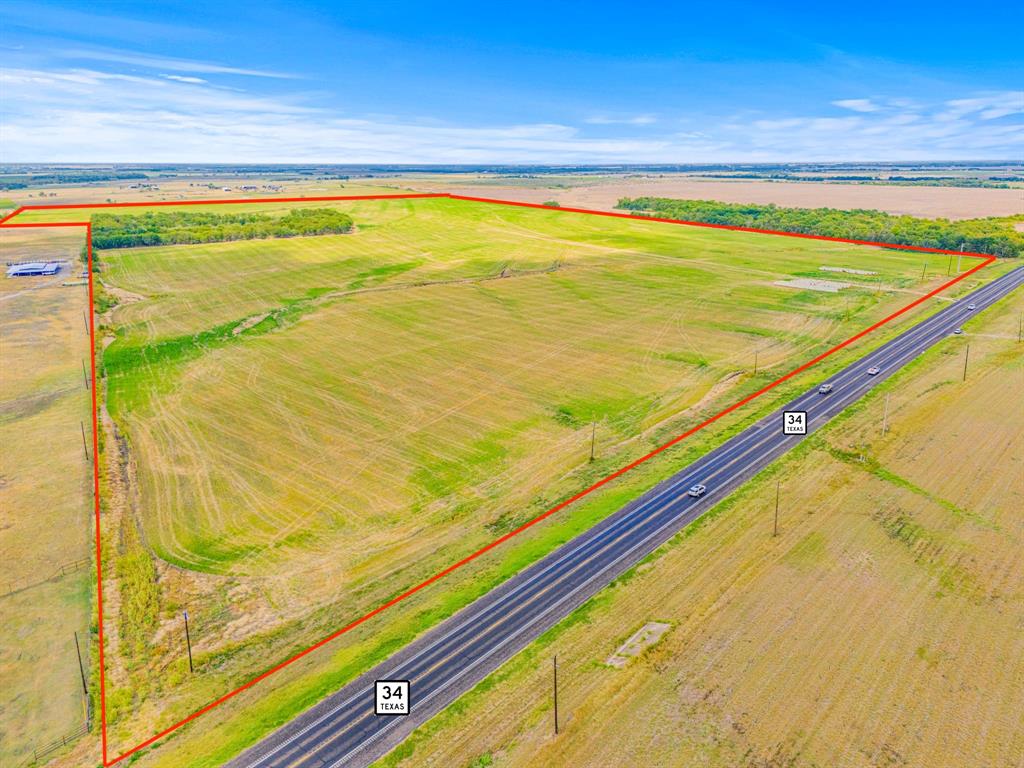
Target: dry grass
44, 497
883, 627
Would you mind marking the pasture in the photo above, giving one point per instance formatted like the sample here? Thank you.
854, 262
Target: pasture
338, 405
45, 497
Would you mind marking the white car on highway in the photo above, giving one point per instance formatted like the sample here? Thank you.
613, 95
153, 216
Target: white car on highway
972, 306
874, 370
696, 491
824, 389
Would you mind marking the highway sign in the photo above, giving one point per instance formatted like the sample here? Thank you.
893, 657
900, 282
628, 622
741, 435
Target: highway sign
794, 422
391, 697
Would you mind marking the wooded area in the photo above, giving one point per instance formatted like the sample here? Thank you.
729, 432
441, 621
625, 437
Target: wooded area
124, 230
990, 235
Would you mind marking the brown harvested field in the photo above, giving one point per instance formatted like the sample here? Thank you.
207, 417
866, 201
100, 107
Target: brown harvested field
928, 202
181, 189
884, 626
595, 192
45, 496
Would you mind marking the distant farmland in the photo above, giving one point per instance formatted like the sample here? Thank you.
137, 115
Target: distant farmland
305, 427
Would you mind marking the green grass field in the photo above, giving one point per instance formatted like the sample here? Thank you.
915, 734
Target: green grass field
326, 402
315, 424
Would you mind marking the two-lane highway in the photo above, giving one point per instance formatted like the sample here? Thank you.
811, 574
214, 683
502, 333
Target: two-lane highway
343, 731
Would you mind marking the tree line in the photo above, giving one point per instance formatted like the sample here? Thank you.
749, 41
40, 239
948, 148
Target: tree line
989, 182
995, 236
25, 180
126, 230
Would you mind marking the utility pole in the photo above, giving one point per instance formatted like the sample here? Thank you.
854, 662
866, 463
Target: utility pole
85, 445
756, 350
555, 670
959, 257
593, 438
949, 266
85, 376
924, 269
967, 354
85, 320
885, 416
188, 642
81, 667
1020, 328
775, 531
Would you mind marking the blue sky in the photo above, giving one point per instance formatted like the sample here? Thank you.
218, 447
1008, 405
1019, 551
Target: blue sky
455, 82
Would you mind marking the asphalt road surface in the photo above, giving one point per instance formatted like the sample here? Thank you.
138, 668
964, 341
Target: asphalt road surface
342, 730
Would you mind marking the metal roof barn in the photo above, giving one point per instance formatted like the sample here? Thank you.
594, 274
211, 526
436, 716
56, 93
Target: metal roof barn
34, 269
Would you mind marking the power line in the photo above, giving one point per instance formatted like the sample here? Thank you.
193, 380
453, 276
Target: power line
81, 667
778, 486
554, 669
85, 445
188, 642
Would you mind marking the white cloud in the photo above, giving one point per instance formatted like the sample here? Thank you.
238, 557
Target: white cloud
634, 120
83, 115
772, 125
29, 92
184, 79
989, 106
165, 63
857, 105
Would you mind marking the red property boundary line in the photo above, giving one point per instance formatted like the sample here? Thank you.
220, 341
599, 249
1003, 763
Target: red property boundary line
107, 761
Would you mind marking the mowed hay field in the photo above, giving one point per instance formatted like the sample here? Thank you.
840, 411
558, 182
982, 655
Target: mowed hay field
884, 626
45, 497
309, 426
321, 409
